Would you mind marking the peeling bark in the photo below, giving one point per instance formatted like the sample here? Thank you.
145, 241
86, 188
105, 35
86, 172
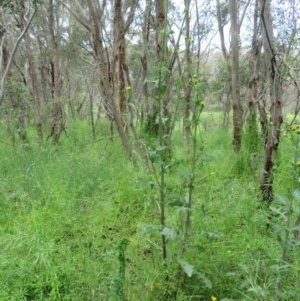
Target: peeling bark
33, 76
57, 122
275, 93
235, 79
107, 76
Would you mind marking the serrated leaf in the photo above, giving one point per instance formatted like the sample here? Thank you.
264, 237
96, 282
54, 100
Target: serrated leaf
169, 233
278, 213
207, 158
205, 280
152, 156
258, 290
187, 268
212, 235
176, 203
161, 148
149, 229
296, 195
185, 173
281, 199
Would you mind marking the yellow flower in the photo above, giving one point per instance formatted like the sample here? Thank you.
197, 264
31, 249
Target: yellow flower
128, 88
298, 163
213, 298
202, 103
294, 127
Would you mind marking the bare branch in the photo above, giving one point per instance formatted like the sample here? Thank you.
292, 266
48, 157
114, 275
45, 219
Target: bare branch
243, 14
12, 57
293, 75
130, 17
81, 20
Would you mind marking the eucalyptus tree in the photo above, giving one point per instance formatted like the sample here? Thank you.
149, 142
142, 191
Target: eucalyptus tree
11, 37
286, 25
162, 71
33, 71
188, 76
278, 49
54, 21
222, 19
253, 100
109, 54
147, 23
198, 31
234, 12
7, 59
235, 79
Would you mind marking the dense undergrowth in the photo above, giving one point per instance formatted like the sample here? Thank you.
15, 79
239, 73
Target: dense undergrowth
79, 222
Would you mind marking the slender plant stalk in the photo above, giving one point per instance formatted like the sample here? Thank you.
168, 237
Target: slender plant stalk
162, 166
122, 266
193, 160
162, 141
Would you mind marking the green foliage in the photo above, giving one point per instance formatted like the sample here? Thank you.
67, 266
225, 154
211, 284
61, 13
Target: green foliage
150, 125
78, 222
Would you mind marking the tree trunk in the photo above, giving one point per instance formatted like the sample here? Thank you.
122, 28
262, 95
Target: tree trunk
15, 115
119, 57
33, 76
275, 92
12, 55
164, 75
226, 56
235, 79
253, 83
188, 78
56, 81
106, 76
144, 59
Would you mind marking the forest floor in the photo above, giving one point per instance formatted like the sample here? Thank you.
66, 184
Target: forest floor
79, 222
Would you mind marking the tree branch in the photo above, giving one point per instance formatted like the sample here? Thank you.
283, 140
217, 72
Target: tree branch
243, 14
12, 57
130, 17
83, 22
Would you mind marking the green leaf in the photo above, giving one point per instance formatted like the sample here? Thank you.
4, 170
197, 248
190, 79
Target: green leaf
161, 87
187, 268
165, 120
161, 148
205, 280
152, 156
185, 173
258, 290
207, 158
283, 200
177, 203
169, 233
296, 195
149, 229
212, 235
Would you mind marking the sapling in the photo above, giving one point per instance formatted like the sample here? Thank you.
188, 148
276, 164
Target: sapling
287, 224
198, 108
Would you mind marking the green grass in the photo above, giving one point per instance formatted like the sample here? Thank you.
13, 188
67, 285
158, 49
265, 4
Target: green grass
66, 208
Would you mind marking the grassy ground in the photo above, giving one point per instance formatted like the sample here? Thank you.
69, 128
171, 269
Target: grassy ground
69, 210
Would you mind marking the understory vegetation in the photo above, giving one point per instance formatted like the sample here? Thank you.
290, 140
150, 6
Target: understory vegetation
80, 222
